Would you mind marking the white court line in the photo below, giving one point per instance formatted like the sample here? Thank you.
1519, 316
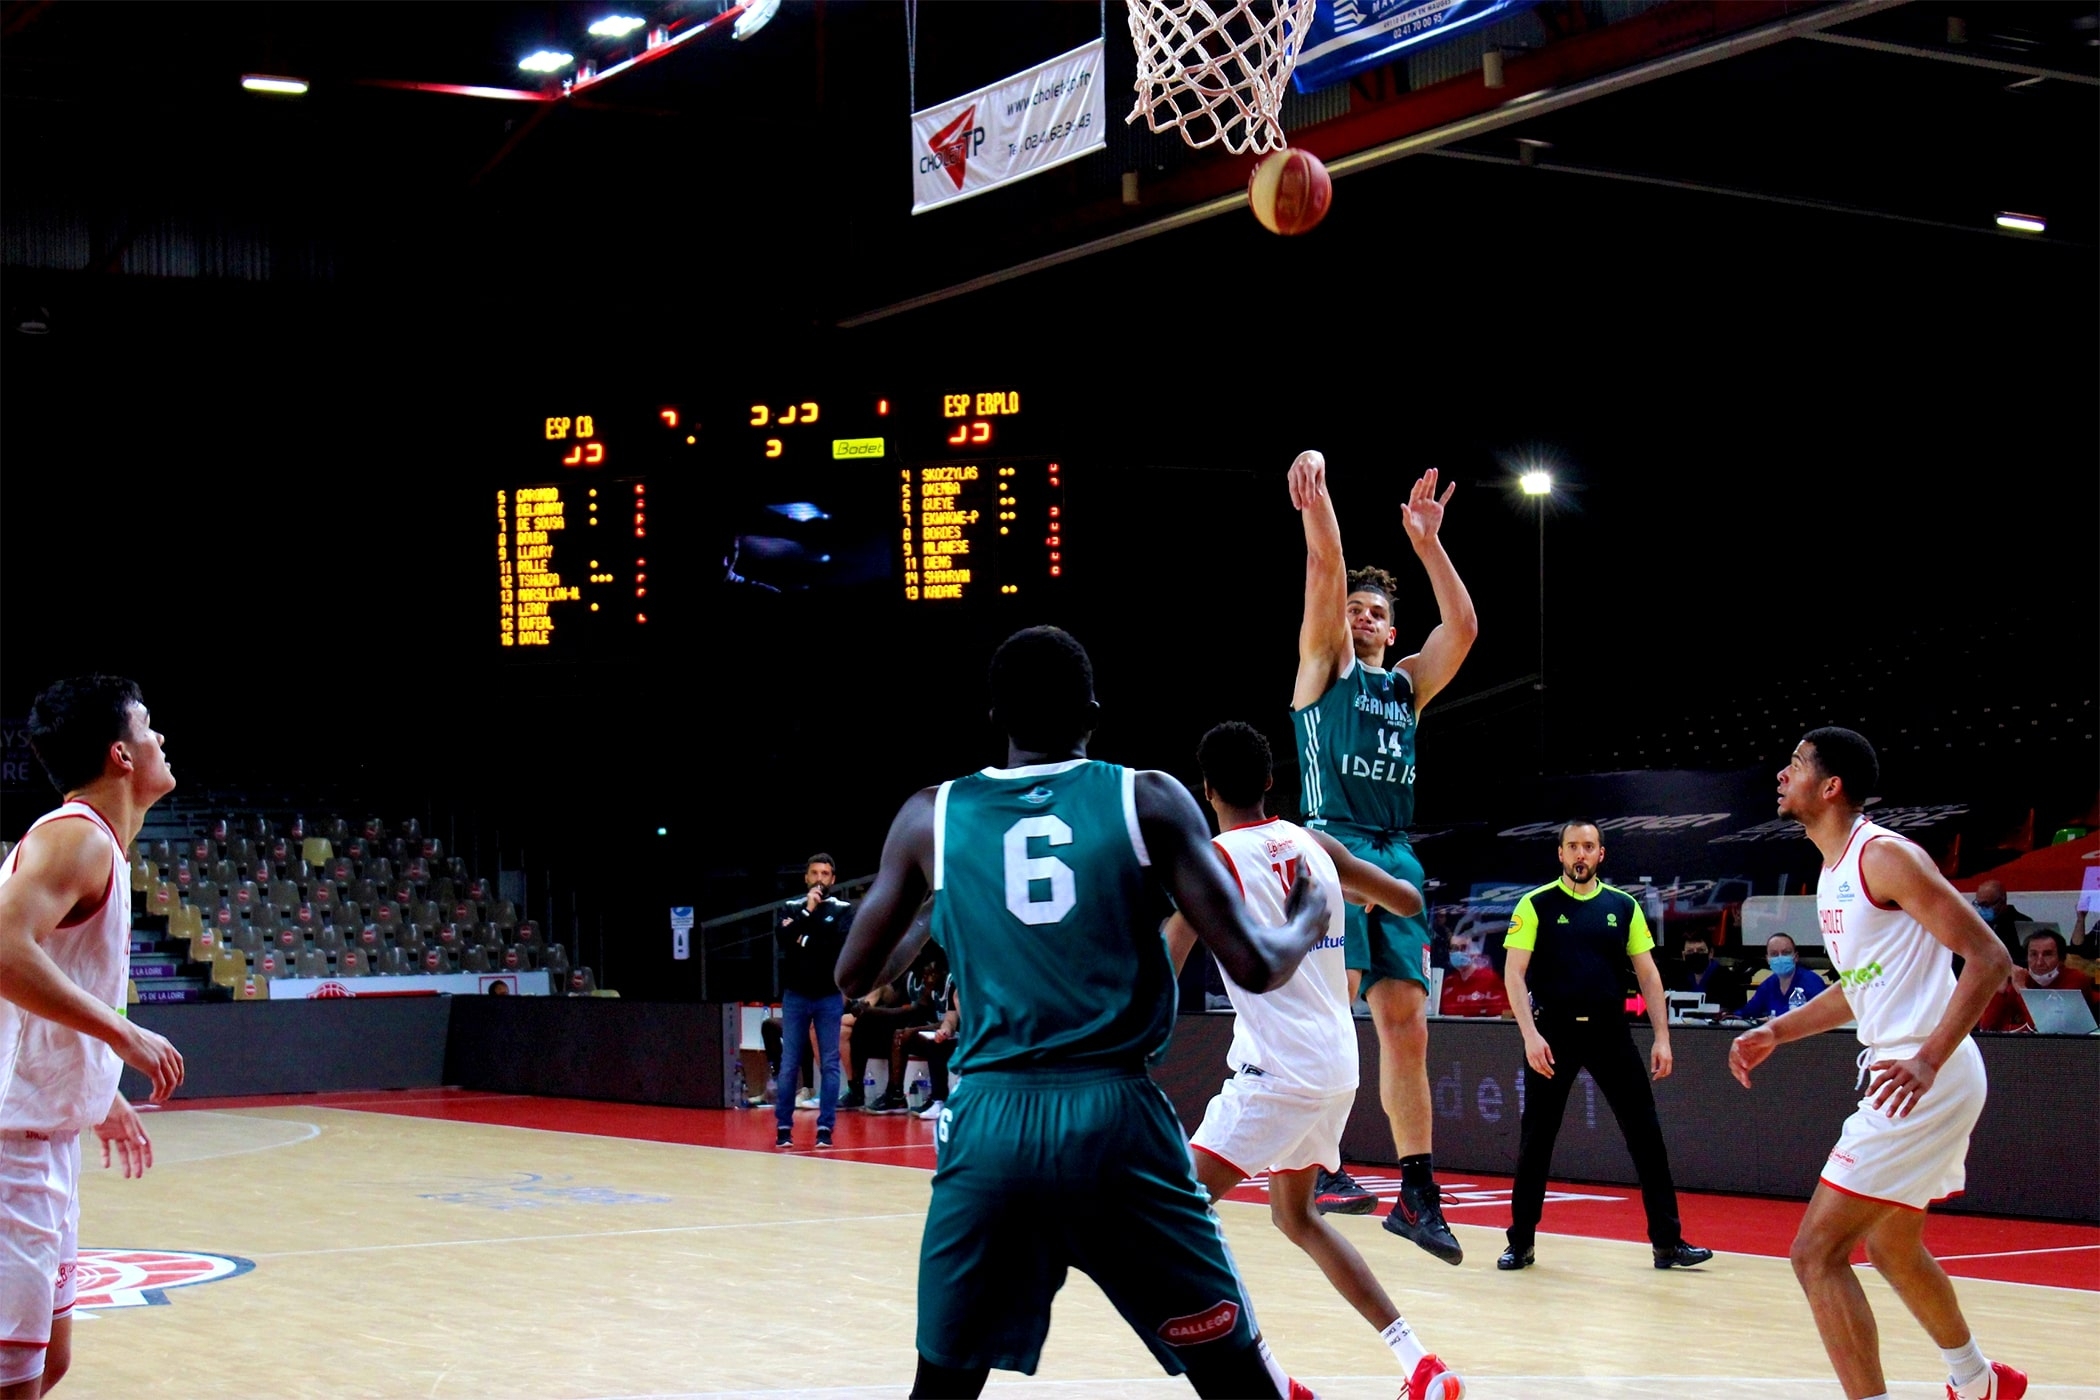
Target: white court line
313, 1130
2010, 1253
584, 1235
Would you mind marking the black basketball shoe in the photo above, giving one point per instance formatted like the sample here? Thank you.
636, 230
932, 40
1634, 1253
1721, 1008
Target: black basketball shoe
1337, 1193
1419, 1216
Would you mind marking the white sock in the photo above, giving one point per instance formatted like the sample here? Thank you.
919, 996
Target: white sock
1883, 1396
1967, 1371
1401, 1338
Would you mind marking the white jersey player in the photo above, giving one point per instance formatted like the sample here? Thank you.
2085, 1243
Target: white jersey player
1293, 1055
1891, 925
65, 938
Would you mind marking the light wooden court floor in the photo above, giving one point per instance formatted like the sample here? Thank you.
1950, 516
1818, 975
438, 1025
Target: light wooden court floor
407, 1257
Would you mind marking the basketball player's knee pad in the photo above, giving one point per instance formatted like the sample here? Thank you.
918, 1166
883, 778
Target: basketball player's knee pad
19, 1363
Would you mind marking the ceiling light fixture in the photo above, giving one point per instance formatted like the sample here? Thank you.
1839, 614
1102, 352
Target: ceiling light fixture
1536, 483
617, 26
546, 61
2023, 223
263, 82
756, 14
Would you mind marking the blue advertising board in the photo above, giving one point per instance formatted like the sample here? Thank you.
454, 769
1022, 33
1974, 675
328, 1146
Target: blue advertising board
1348, 36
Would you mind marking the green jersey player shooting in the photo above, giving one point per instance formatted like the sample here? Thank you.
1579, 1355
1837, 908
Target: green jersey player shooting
1355, 719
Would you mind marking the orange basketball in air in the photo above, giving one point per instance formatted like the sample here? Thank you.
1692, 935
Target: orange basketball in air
1290, 191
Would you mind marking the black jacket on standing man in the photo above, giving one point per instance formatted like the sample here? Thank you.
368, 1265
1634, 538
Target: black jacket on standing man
810, 943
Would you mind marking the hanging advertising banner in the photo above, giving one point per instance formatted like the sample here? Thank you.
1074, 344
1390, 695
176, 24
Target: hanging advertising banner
681, 932
1015, 128
1348, 36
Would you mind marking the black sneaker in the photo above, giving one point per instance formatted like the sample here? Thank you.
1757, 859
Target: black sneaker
783, 1138
1419, 1216
823, 1137
855, 1099
892, 1101
1337, 1193
1684, 1256
1514, 1258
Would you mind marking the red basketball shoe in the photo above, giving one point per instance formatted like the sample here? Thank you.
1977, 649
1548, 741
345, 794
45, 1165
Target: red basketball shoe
1433, 1380
2006, 1384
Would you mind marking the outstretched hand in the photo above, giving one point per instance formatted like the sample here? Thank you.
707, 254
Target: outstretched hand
1424, 513
1308, 479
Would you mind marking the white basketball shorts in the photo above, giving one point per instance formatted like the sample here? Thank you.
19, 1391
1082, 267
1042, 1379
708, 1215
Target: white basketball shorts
1253, 1125
1916, 1160
39, 1233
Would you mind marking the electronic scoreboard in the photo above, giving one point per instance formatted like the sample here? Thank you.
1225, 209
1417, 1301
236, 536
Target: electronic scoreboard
617, 521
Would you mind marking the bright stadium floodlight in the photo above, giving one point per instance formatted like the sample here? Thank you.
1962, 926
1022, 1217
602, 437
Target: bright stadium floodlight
617, 26
756, 14
263, 82
546, 61
1536, 483
2023, 223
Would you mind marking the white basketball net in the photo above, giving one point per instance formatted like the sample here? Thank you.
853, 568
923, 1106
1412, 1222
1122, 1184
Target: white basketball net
1217, 72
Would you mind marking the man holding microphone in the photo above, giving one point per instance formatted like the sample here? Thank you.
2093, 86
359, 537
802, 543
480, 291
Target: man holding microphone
811, 931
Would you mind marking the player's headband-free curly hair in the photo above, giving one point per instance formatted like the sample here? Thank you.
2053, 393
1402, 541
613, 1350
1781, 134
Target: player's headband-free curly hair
1236, 762
1373, 579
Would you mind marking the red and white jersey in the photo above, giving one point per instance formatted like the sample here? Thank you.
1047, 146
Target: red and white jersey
1897, 976
61, 1080
1301, 1035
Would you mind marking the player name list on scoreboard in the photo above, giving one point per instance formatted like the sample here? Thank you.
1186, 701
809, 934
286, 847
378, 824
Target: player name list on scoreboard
979, 528
555, 550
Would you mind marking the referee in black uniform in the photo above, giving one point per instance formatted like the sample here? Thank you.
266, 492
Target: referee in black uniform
1569, 944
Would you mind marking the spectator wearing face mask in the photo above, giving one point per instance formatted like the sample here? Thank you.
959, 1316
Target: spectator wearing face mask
1999, 913
1696, 971
2045, 968
1472, 987
1789, 987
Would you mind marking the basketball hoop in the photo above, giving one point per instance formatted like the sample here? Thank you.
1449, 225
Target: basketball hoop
1217, 71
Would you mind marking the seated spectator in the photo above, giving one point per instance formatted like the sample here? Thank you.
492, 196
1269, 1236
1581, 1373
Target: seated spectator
934, 1046
2045, 968
2004, 920
1698, 971
1789, 986
2006, 1012
930, 986
906, 1004
1472, 987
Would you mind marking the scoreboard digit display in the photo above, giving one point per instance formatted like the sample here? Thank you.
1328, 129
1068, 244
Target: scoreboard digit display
936, 498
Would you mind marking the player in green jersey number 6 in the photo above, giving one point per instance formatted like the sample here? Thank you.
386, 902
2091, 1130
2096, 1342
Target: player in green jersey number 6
1355, 720
1056, 1149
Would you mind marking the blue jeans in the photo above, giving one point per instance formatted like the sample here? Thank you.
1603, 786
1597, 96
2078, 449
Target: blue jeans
797, 1014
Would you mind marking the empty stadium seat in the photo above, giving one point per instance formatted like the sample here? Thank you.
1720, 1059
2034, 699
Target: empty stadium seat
313, 963
444, 891
284, 894
271, 963
425, 916
527, 935
504, 915
316, 851
143, 873
435, 962
160, 852
329, 939
161, 898
350, 962
476, 959
556, 960
395, 962
465, 914
369, 939
582, 983
380, 870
